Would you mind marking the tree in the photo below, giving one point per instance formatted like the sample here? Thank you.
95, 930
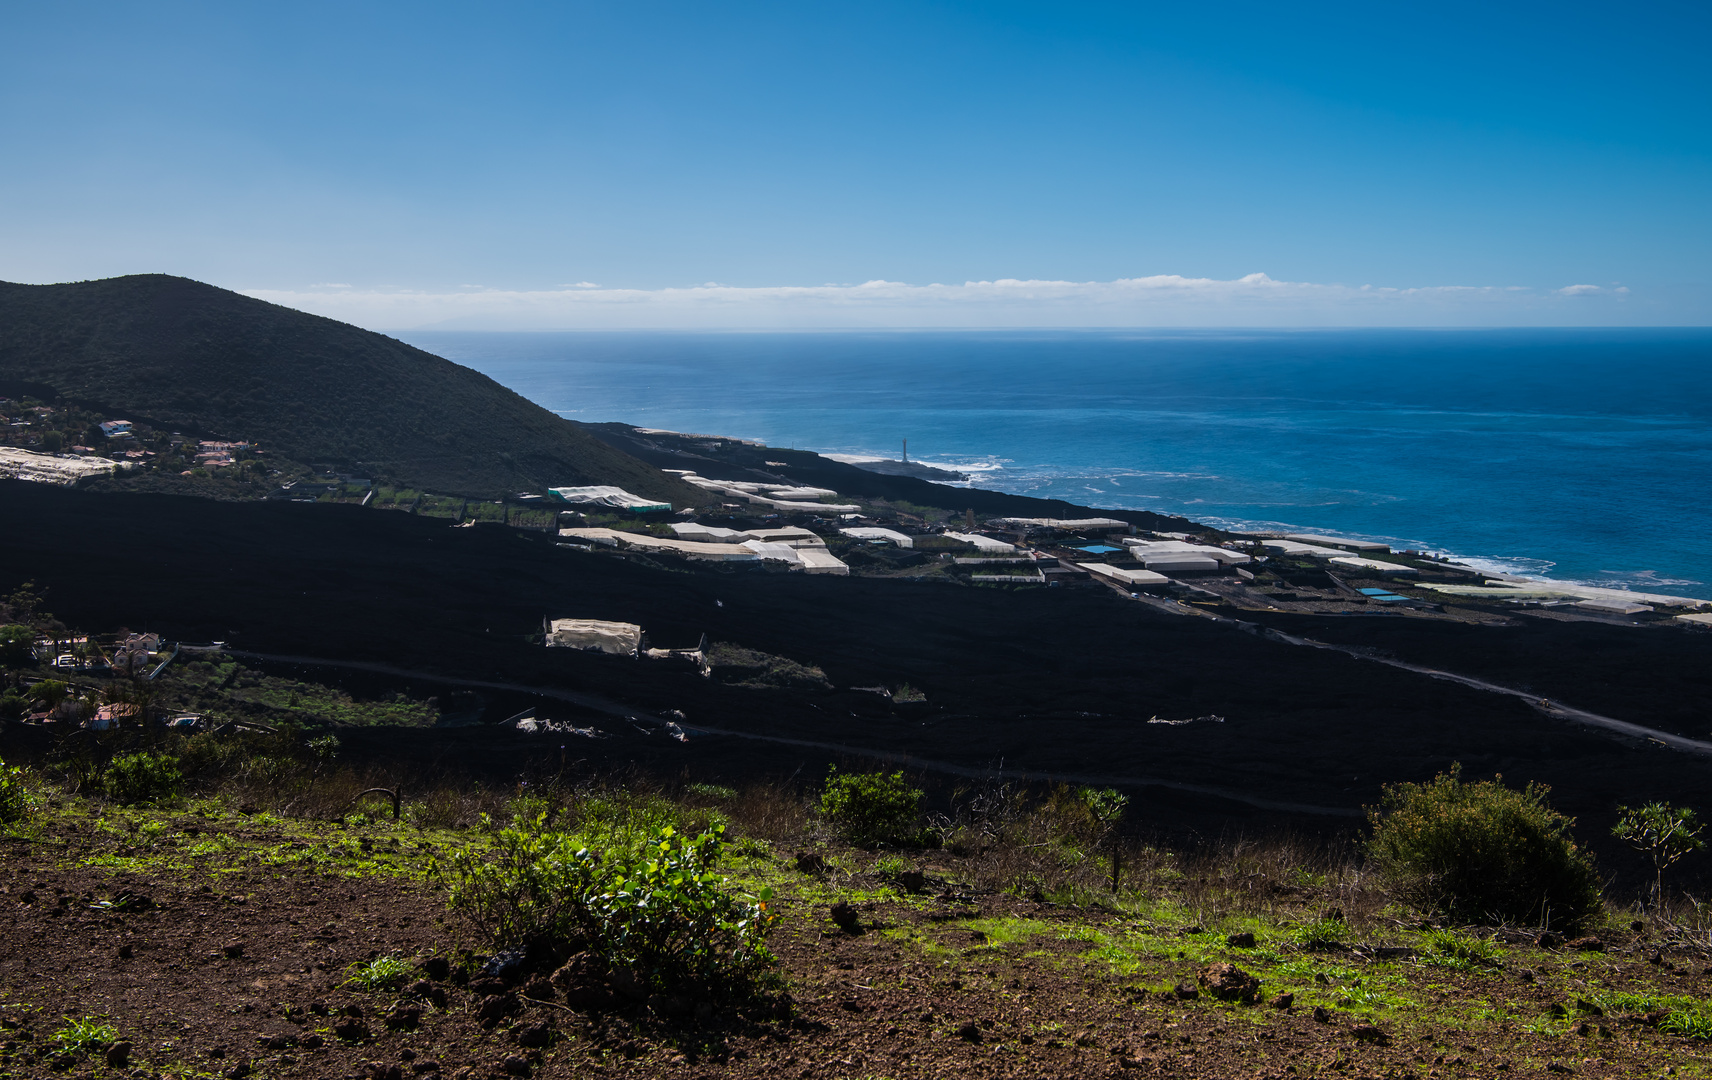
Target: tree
49, 693
1662, 832
17, 646
1106, 808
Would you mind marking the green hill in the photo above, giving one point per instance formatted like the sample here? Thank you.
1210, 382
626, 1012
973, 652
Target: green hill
184, 355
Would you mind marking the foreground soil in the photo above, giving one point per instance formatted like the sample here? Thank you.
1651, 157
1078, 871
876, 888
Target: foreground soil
238, 962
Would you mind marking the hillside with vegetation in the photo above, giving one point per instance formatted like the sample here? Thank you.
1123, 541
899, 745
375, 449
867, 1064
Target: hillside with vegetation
186, 356
259, 905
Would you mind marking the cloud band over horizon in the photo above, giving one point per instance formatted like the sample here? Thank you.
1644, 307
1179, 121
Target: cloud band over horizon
1159, 300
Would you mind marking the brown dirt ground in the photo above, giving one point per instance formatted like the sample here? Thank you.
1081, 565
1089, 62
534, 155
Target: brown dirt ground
173, 981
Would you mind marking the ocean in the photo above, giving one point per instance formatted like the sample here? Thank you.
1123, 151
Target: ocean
1574, 455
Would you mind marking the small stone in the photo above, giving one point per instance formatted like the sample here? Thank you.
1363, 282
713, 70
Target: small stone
846, 917
351, 1030
1187, 991
404, 1017
233, 951
1322, 1015
516, 1066
495, 1007
1227, 982
1240, 941
534, 1036
312, 1042
1368, 1033
630, 984
118, 1055
1284, 1001
435, 967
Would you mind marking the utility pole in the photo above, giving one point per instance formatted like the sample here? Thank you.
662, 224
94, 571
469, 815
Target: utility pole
906, 451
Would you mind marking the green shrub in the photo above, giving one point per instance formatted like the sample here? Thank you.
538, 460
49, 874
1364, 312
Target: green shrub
659, 912
142, 777
1482, 852
870, 809
15, 801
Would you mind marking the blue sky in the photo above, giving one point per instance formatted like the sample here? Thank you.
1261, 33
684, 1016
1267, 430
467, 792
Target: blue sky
569, 164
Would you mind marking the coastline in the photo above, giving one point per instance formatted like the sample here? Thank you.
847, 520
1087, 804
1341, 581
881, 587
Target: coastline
1490, 569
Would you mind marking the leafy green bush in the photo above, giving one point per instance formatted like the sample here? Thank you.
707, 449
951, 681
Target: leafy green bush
659, 912
1483, 852
142, 777
15, 801
870, 809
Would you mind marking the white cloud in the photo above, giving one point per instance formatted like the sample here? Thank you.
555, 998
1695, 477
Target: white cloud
1158, 300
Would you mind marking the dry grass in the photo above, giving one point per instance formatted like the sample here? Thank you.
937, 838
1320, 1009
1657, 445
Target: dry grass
1278, 877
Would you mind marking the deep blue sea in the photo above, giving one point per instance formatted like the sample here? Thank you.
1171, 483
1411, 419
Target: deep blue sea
1581, 455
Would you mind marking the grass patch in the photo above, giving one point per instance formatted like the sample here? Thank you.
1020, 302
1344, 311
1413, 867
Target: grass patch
1686, 1016
1460, 952
380, 974
84, 1035
1320, 934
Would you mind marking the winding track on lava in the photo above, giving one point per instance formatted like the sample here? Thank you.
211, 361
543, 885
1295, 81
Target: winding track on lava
613, 708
